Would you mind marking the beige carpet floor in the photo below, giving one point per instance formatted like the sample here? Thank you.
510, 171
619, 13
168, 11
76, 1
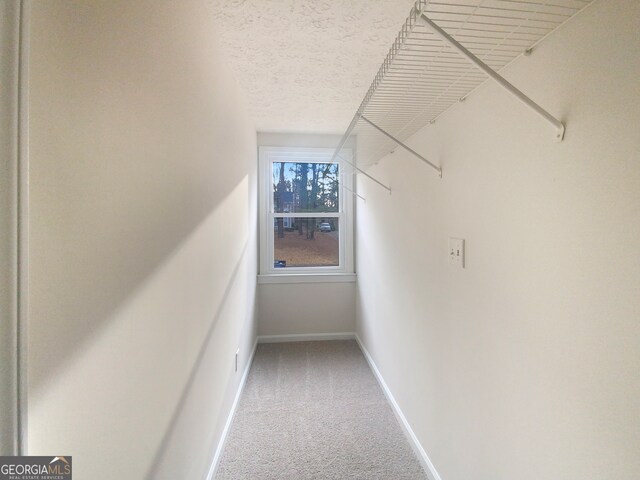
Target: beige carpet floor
314, 410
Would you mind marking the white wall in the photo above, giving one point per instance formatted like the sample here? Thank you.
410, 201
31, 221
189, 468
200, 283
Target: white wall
143, 227
525, 364
293, 308
306, 308
9, 46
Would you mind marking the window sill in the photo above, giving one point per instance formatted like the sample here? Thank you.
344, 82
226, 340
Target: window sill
308, 278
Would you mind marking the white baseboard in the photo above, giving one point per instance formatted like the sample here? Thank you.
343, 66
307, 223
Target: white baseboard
306, 337
216, 457
413, 440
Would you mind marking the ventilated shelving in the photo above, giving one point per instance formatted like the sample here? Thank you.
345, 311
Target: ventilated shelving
443, 52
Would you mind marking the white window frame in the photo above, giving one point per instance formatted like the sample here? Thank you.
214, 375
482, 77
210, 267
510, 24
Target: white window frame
267, 157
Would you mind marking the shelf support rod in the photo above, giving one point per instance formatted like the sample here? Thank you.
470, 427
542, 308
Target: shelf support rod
407, 148
559, 126
353, 192
340, 146
359, 170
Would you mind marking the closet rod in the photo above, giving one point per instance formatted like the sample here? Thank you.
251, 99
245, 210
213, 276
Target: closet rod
559, 126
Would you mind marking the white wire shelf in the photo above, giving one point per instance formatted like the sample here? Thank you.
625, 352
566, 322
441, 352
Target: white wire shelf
444, 51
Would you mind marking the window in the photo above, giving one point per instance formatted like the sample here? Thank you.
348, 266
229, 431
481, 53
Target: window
305, 212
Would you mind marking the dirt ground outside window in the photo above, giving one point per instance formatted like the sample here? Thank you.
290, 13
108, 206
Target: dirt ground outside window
321, 251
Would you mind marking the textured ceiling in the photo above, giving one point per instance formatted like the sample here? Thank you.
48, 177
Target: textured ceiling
306, 64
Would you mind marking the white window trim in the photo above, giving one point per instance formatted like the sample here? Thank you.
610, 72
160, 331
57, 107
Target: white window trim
309, 278
267, 156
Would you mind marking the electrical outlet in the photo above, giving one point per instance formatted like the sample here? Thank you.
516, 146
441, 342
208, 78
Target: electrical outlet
456, 252
237, 353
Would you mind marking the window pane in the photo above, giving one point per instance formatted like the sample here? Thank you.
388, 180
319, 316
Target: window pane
305, 187
306, 242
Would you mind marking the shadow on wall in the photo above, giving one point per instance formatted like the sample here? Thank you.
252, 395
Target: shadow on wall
162, 460
134, 143
80, 280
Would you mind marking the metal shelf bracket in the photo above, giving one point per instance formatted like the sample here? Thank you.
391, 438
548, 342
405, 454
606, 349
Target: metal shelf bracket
557, 124
353, 192
408, 149
356, 168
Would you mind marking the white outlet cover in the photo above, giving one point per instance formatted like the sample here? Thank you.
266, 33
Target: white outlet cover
456, 252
